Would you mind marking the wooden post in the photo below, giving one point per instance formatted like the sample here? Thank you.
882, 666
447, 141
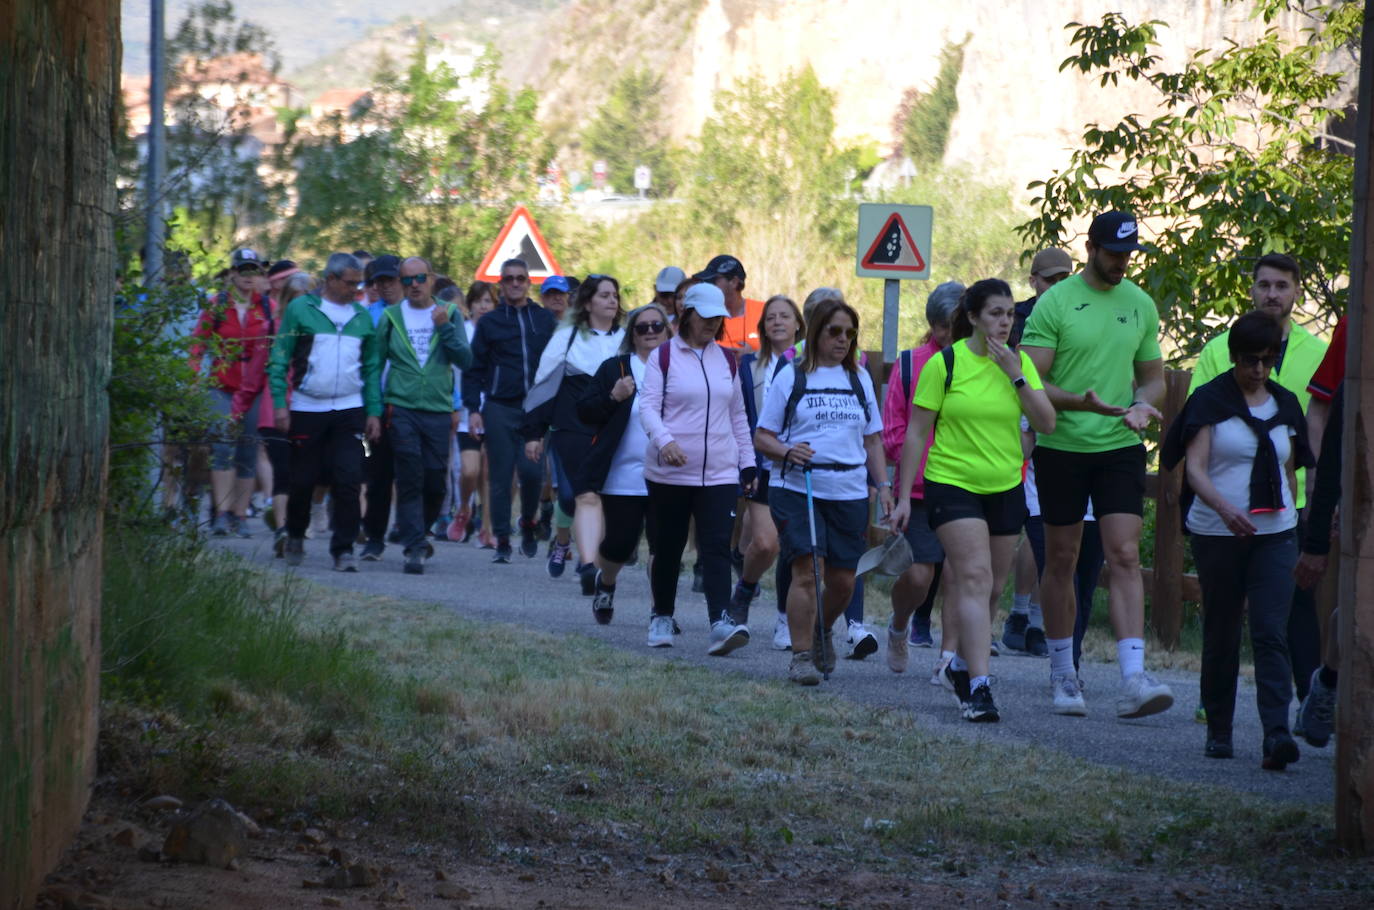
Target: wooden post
1354, 707
1166, 588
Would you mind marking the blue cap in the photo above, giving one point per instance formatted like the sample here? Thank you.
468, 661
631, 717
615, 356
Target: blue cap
554, 283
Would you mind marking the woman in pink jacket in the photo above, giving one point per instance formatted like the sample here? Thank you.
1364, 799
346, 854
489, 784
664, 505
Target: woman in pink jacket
699, 455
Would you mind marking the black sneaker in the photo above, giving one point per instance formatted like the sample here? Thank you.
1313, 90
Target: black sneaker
1218, 745
980, 708
586, 574
958, 681
698, 583
502, 551
372, 551
603, 604
1014, 631
1036, 646
415, 561
529, 546
1280, 751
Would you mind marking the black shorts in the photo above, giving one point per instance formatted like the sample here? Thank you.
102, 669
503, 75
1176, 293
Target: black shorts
1005, 512
841, 528
925, 546
469, 443
761, 488
1113, 480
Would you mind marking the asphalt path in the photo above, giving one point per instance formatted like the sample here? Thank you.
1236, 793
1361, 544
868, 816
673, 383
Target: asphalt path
462, 578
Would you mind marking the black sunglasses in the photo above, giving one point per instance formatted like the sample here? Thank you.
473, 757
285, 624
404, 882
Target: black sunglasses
1250, 361
512, 279
835, 331
649, 328
408, 280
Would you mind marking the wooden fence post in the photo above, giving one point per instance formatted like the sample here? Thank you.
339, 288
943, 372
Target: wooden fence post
1166, 589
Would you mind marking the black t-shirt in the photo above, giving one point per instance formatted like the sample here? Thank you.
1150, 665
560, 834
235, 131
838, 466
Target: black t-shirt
1023, 311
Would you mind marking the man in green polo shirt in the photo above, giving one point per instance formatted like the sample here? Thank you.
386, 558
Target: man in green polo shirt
1277, 280
1094, 338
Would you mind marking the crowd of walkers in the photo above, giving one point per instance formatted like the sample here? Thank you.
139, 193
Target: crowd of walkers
384, 405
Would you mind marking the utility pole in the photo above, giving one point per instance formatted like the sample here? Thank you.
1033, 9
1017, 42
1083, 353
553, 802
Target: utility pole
156, 147
1354, 707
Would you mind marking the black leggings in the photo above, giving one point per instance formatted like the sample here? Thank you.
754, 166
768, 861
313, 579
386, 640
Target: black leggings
279, 455
674, 507
625, 517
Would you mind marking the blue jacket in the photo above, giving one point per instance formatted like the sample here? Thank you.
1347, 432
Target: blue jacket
505, 354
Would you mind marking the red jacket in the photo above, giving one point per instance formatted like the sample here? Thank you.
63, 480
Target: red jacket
239, 348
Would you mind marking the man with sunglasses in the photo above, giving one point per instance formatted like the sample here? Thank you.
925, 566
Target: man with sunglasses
1276, 281
505, 355
421, 343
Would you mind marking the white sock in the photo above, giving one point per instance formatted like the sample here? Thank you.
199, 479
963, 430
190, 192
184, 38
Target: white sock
977, 681
947, 656
1020, 603
957, 663
1061, 656
1130, 654
1037, 619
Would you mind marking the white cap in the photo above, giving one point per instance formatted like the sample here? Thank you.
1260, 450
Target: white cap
669, 279
706, 299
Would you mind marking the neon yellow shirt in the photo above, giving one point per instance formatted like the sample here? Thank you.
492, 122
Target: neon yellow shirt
1097, 338
978, 436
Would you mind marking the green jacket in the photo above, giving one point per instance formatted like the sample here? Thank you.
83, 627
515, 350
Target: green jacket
328, 368
1300, 360
411, 384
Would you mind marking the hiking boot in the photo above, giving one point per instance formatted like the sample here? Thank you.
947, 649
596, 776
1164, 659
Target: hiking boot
415, 561
1142, 695
698, 583
603, 604
503, 554
980, 708
859, 642
660, 631
782, 635
802, 671
345, 562
529, 546
1068, 697
740, 601
294, 550
897, 653
824, 655
558, 559
372, 550
1317, 713
726, 637
586, 575
1036, 646
1280, 751
920, 634
957, 682
1014, 631
1218, 745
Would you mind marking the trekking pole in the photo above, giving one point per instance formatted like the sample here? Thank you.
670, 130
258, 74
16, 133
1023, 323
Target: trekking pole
818, 648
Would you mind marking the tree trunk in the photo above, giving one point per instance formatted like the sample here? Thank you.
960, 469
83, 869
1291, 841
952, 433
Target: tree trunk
59, 72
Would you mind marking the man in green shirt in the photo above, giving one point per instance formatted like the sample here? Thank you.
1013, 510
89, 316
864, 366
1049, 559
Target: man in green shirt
1094, 338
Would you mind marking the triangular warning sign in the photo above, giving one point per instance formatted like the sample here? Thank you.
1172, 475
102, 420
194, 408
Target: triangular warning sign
519, 239
894, 249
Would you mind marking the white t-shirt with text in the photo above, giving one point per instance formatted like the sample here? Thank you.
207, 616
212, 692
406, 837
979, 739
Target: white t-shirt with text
830, 418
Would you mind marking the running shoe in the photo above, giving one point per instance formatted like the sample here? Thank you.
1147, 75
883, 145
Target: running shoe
345, 562
937, 675
1036, 646
859, 642
726, 637
660, 631
220, 526
957, 682
558, 559
372, 550
1280, 751
603, 604
529, 546
1317, 713
415, 561
1014, 631
980, 708
294, 550
239, 527
920, 634
439, 529
897, 650
279, 543
586, 574
1218, 746
802, 671
503, 552
782, 635
1068, 697
1143, 695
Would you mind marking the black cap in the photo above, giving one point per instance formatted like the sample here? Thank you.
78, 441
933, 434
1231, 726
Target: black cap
282, 266
721, 267
382, 267
1115, 231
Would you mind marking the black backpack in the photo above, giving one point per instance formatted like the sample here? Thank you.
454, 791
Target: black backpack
904, 370
799, 389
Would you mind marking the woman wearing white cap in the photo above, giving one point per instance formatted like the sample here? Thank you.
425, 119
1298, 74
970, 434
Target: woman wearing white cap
699, 455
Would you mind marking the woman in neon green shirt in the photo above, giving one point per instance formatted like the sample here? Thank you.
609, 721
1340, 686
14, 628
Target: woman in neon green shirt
978, 388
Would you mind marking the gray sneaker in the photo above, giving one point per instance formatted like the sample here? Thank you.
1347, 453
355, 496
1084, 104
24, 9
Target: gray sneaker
726, 637
294, 551
345, 562
1317, 713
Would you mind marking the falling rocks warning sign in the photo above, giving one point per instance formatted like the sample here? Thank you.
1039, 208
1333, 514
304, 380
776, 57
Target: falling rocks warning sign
894, 241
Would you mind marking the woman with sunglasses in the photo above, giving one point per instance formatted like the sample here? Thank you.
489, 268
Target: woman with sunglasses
780, 328
1242, 434
973, 495
590, 333
699, 456
820, 424
615, 465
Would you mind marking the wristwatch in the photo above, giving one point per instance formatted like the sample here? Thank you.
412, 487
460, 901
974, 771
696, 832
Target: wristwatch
1019, 381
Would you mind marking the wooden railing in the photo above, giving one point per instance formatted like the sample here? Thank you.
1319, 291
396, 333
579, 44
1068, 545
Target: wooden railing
1166, 584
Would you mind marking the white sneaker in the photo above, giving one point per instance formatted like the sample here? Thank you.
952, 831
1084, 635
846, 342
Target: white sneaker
897, 651
660, 632
1143, 695
861, 642
726, 637
937, 676
782, 636
1068, 698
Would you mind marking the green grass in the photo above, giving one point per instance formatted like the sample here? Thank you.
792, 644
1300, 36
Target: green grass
324, 702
